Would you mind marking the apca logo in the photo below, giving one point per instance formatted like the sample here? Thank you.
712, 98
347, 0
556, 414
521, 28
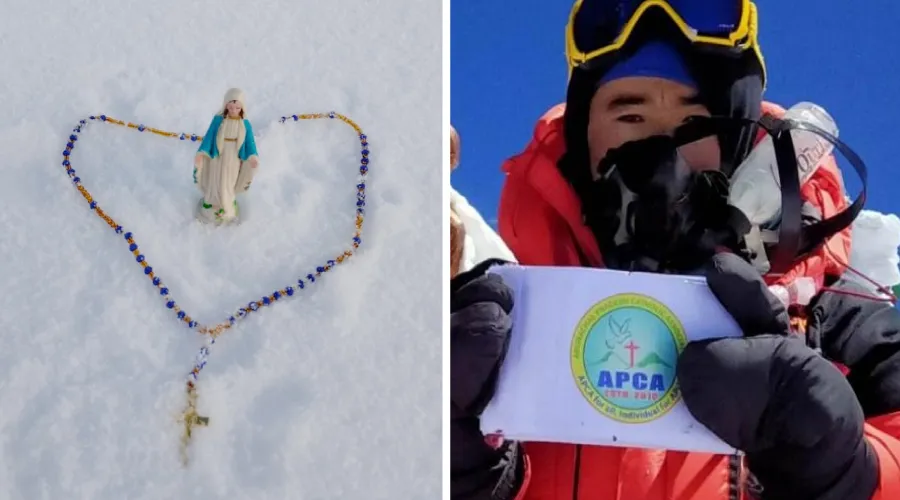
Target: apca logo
623, 357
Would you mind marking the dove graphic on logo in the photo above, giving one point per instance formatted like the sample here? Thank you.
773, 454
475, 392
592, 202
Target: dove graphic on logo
618, 332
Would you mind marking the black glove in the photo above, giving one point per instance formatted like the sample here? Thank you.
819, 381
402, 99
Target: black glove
480, 326
864, 335
788, 409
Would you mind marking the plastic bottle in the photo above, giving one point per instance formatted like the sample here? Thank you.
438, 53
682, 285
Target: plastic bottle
756, 186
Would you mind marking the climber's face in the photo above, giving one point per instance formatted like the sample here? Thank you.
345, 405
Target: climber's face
233, 108
633, 108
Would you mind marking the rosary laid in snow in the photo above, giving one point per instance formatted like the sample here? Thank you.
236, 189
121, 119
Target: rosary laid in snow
190, 418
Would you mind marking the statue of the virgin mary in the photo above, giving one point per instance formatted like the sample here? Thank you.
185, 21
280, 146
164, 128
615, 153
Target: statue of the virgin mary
226, 161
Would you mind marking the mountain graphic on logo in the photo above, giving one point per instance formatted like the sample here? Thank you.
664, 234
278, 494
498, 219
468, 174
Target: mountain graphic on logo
651, 360
611, 358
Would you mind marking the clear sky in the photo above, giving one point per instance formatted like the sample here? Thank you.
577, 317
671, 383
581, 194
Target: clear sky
508, 67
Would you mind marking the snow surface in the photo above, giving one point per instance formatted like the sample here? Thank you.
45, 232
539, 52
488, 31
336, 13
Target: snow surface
334, 393
876, 237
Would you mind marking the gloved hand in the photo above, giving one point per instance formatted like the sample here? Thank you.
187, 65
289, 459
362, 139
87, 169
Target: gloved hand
788, 409
480, 326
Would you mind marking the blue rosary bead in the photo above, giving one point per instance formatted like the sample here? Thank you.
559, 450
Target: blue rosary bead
141, 258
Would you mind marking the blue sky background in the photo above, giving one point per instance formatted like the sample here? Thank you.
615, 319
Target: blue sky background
507, 67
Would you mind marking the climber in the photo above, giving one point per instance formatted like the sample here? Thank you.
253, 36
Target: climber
807, 432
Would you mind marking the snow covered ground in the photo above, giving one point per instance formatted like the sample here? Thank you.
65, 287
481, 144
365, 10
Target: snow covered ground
334, 393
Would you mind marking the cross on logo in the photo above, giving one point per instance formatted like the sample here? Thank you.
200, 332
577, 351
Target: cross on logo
631, 346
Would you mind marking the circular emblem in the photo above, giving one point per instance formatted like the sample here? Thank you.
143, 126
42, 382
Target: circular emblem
623, 357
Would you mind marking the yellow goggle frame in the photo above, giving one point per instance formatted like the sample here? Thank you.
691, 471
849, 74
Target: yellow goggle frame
744, 37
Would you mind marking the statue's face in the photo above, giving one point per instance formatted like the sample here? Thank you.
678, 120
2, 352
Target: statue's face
233, 108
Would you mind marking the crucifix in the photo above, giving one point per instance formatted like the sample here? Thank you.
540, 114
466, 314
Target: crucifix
190, 419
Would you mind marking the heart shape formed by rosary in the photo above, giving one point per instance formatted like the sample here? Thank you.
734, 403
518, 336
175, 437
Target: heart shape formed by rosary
190, 417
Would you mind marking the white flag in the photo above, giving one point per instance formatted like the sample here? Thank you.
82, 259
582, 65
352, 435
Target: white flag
592, 358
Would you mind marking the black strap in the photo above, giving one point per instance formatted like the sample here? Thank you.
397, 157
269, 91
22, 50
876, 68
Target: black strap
783, 255
816, 234
794, 240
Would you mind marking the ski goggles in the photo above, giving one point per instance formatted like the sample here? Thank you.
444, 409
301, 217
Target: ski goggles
600, 27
